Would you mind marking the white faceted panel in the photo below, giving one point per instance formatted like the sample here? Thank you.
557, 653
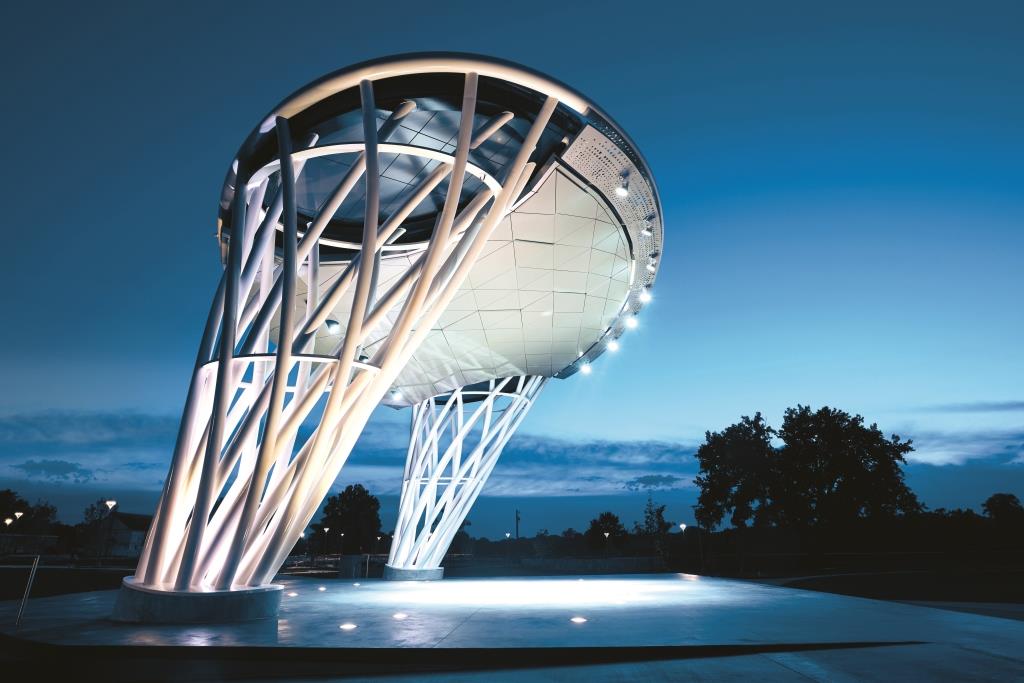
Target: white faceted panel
549, 283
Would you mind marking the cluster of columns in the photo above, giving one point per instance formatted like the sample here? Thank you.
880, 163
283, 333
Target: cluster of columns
454, 446
242, 484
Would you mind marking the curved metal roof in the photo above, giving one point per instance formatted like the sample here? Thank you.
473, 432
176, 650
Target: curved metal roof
561, 274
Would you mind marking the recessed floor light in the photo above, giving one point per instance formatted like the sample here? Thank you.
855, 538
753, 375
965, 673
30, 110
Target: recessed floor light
321, 588
292, 594
578, 620
347, 626
356, 585
399, 615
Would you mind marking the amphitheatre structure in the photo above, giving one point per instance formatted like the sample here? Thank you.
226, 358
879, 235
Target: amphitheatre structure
443, 232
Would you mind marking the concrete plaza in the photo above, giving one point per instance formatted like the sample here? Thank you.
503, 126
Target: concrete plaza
604, 628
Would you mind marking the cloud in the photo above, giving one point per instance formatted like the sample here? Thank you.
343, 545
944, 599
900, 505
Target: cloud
114, 449
56, 470
654, 482
959, 448
980, 407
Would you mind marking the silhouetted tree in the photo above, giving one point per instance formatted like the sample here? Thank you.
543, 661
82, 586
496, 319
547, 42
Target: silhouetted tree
655, 527
606, 522
35, 519
1005, 510
735, 473
831, 471
356, 512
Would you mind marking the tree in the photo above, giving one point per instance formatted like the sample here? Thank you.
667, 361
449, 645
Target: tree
831, 470
606, 522
356, 513
655, 527
35, 519
95, 512
1004, 509
735, 471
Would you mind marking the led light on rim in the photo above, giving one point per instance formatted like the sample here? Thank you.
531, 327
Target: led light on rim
631, 322
347, 626
623, 188
646, 230
333, 327
613, 345
645, 295
586, 369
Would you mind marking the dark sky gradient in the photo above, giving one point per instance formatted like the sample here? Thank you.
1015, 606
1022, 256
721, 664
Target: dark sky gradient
844, 226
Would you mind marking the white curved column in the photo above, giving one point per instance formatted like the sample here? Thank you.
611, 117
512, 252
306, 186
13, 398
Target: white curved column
454, 445
242, 484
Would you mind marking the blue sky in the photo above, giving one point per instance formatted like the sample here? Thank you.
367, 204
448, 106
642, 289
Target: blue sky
844, 217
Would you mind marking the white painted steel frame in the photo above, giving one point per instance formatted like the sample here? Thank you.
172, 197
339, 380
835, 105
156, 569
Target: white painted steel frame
454, 445
241, 487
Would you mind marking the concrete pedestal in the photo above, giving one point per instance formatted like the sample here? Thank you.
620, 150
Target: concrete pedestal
397, 574
141, 604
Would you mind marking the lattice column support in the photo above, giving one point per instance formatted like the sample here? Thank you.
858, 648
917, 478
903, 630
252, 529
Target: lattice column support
441, 485
242, 486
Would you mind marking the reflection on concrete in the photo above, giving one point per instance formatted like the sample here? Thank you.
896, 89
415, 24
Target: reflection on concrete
645, 610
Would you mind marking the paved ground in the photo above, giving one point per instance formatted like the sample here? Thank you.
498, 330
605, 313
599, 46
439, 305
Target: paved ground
663, 627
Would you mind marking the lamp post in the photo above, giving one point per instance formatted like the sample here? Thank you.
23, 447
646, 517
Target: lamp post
106, 528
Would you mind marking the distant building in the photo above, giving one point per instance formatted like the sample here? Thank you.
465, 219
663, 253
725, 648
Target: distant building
126, 534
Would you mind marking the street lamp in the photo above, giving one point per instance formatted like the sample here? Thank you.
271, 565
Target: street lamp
8, 521
508, 534
17, 515
110, 504
682, 526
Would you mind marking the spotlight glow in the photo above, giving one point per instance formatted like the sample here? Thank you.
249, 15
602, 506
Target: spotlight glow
579, 620
399, 616
292, 594
613, 345
586, 369
347, 626
333, 327
321, 588
645, 296
631, 322
621, 191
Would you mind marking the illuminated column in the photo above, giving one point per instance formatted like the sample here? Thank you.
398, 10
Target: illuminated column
454, 445
242, 484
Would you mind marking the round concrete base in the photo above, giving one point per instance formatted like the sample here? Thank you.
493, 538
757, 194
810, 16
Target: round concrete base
141, 604
396, 574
